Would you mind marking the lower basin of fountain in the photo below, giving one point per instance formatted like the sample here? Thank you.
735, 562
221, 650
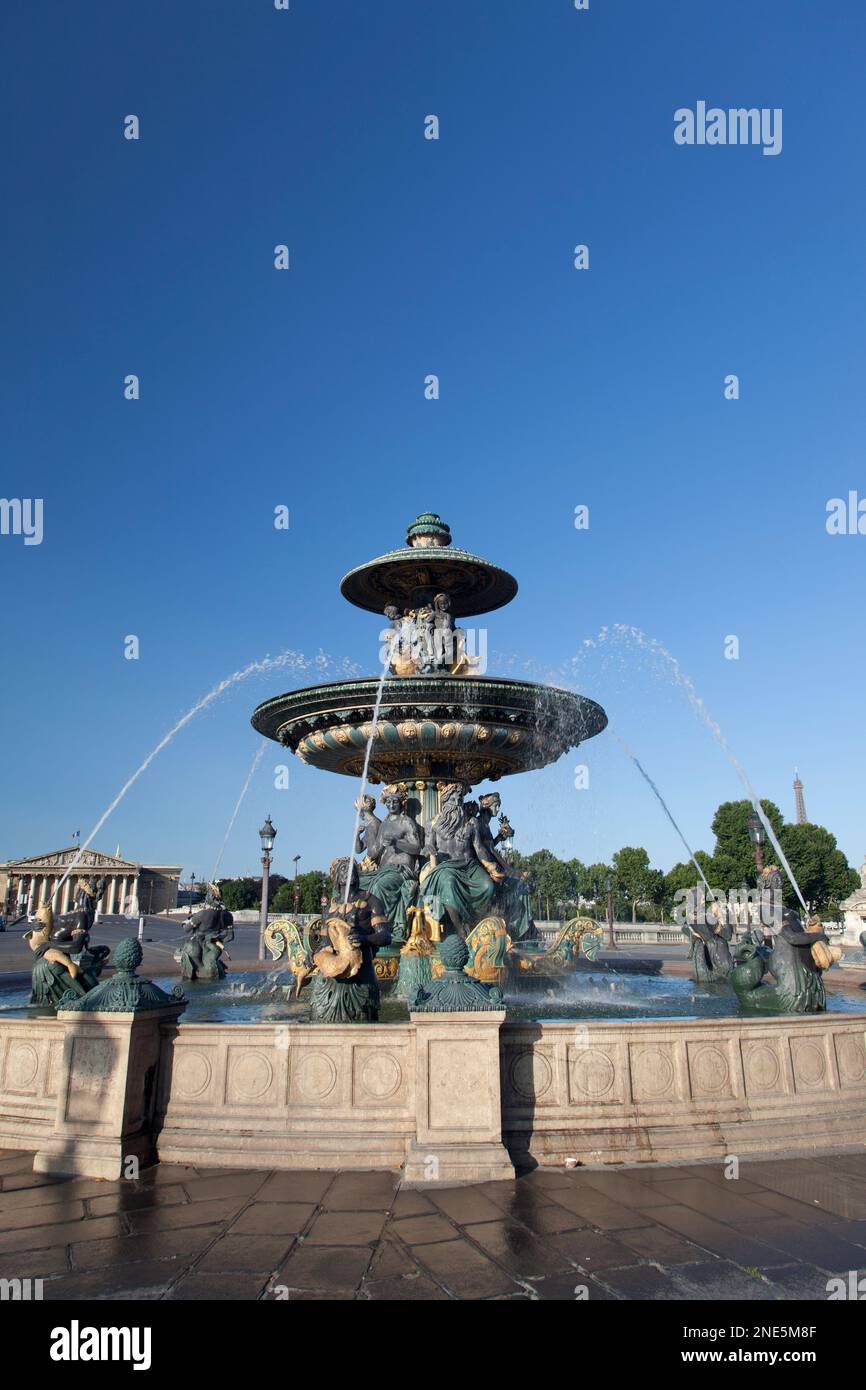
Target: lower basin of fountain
601, 1069
595, 991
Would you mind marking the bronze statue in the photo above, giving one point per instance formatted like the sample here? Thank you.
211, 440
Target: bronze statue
211, 929
345, 988
459, 882
63, 963
391, 861
369, 826
709, 941
797, 959
512, 896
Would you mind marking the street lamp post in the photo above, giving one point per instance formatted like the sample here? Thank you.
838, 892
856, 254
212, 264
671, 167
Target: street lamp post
611, 936
758, 837
297, 893
267, 835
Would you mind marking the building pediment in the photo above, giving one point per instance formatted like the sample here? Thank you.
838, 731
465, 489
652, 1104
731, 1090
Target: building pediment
88, 860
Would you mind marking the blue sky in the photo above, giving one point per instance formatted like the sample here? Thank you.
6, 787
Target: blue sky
558, 388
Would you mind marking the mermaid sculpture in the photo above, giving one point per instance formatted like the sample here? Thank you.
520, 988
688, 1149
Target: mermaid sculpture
511, 898
391, 862
57, 970
797, 959
345, 988
709, 941
458, 885
210, 930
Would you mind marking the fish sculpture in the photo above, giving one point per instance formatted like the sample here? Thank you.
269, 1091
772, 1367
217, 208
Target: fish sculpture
341, 960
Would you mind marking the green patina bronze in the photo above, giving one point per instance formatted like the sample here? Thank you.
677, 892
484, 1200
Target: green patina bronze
798, 987
710, 953
455, 991
124, 992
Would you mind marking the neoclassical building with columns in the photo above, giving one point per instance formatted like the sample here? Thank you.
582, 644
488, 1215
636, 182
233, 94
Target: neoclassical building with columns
130, 888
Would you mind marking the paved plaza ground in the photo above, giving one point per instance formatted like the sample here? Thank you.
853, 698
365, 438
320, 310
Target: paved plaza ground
778, 1232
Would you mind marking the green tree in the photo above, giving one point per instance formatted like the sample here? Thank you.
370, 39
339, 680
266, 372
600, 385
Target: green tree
309, 888
282, 900
821, 869
241, 894
734, 854
633, 879
684, 876
594, 887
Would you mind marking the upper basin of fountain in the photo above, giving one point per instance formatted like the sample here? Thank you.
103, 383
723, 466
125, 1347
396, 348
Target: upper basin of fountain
469, 728
429, 564
439, 717
411, 576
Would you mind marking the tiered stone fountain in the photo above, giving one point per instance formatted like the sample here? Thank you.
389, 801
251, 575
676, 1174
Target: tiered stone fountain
441, 721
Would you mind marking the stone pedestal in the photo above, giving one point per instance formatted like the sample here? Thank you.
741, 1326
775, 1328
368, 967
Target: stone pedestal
458, 1132
105, 1102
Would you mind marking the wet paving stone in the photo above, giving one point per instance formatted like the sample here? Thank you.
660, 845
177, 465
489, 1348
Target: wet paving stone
598, 1210
723, 1202
229, 1187
256, 1254
411, 1203
303, 1186
553, 1234
403, 1287
389, 1259
325, 1267
462, 1204
463, 1270
421, 1230
576, 1288
165, 1245
362, 1192
63, 1233
592, 1250
35, 1264
137, 1197
660, 1246
148, 1279
520, 1252
218, 1287
811, 1244
273, 1218
223, 1210
743, 1247
722, 1280
795, 1282
346, 1228
641, 1281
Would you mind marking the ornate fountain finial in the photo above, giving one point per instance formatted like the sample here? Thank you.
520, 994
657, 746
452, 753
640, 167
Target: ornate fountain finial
428, 530
455, 991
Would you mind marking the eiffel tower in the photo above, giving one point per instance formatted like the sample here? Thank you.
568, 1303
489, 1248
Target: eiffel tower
799, 804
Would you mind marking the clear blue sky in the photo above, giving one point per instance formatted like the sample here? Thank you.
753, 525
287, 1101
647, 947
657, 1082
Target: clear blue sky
558, 387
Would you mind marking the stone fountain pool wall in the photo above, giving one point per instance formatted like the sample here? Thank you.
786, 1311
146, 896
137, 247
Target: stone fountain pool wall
439, 1093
